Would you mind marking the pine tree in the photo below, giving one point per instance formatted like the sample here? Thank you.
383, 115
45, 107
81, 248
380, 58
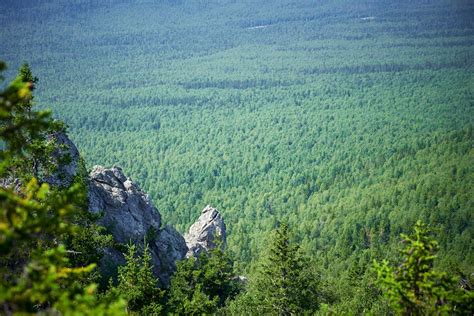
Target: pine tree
218, 276
137, 284
27, 77
35, 275
414, 287
26, 130
203, 285
186, 291
285, 284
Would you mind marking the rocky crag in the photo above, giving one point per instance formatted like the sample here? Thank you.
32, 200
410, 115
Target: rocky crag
129, 215
203, 234
66, 158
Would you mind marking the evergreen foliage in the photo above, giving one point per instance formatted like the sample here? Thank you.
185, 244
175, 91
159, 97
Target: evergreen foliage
35, 274
137, 284
186, 292
415, 288
203, 285
351, 119
285, 284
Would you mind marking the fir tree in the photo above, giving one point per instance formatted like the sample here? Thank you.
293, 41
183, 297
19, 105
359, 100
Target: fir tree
186, 292
218, 276
35, 275
203, 285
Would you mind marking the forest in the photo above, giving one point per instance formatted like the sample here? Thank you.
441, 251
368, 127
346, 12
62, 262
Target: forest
349, 123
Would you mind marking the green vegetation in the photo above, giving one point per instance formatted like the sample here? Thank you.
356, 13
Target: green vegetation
137, 283
415, 288
351, 120
285, 284
350, 128
35, 273
203, 285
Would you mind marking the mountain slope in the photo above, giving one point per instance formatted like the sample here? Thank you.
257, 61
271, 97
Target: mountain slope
351, 120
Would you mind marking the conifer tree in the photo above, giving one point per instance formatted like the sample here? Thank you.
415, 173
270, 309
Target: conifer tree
415, 288
27, 77
137, 284
187, 296
203, 285
35, 275
285, 283
218, 276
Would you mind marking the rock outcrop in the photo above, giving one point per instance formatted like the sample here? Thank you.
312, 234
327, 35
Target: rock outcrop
168, 248
67, 159
203, 233
129, 215
10, 183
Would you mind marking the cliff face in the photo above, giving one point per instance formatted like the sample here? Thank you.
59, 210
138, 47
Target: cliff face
129, 215
66, 157
128, 212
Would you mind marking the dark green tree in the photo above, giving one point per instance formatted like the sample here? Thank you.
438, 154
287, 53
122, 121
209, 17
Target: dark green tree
27, 77
285, 283
414, 287
187, 295
35, 274
27, 130
137, 284
203, 285
218, 278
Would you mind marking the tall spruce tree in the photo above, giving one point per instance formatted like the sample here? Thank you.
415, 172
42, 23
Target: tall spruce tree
187, 295
137, 284
285, 283
203, 285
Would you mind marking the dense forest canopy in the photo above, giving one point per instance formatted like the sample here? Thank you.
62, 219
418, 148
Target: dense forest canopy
349, 119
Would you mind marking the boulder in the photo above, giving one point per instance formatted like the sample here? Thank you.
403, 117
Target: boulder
203, 234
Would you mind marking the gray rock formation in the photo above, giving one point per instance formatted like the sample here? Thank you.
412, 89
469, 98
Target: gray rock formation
130, 216
203, 233
168, 248
10, 183
128, 213
67, 159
